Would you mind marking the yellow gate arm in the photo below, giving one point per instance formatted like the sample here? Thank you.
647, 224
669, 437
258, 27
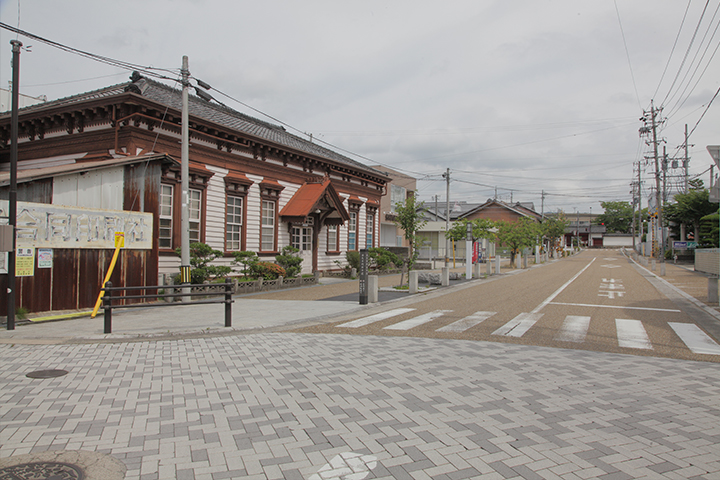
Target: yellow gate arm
119, 243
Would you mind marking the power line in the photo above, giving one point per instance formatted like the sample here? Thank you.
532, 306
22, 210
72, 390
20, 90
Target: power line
149, 71
673, 48
627, 54
687, 52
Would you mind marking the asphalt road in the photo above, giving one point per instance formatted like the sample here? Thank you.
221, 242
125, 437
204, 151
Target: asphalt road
597, 300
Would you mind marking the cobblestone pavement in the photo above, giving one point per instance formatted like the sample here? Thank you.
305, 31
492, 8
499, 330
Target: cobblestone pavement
303, 406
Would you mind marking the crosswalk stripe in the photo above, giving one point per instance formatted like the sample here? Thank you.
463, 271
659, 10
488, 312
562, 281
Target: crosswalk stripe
361, 322
416, 321
467, 322
574, 329
518, 325
695, 339
632, 334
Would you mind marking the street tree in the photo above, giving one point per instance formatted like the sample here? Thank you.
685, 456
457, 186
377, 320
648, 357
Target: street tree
481, 228
617, 217
553, 229
409, 218
517, 235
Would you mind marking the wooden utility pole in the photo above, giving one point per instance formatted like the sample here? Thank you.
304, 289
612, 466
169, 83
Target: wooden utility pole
12, 209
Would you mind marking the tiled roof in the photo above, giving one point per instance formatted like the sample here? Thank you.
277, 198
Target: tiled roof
213, 112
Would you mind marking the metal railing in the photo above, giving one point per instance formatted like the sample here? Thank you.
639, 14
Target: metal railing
108, 298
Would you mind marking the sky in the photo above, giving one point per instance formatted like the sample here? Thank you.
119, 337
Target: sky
523, 100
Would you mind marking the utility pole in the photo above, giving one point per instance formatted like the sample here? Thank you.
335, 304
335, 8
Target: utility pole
686, 163
12, 210
652, 129
542, 206
184, 174
446, 175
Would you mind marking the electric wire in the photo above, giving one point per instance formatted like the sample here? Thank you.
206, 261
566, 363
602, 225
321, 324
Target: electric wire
627, 54
149, 71
687, 52
662, 77
680, 100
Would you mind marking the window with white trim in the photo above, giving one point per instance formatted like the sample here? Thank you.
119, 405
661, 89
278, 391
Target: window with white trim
267, 243
194, 214
332, 238
233, 224
302, 238
370, 230
352, 231
165, 236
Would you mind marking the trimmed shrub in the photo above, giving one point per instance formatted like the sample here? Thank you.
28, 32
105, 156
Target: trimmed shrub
268, 270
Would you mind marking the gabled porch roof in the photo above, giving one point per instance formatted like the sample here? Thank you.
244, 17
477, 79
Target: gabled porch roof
314, 196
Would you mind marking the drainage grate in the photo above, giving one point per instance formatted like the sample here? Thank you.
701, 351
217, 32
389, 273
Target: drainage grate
47, 374
42, 471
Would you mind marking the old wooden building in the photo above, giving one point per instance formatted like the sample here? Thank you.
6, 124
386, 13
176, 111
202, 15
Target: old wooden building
253, 185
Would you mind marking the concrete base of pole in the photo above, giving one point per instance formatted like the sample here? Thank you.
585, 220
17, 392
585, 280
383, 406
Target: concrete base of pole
525, 262
712, 289
662, 269
413, 281
476, 270
373, 287
445, 276
488, 267
497, 264
654, 263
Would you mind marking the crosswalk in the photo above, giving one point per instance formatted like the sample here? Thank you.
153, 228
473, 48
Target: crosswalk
630, 332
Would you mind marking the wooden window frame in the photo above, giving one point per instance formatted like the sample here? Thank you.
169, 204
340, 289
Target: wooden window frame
336, 233
237, 186
270, 192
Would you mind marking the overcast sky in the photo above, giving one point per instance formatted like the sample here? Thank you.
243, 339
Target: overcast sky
524, 96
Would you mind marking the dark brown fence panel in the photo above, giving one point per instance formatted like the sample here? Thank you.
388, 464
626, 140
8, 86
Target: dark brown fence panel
35, 290
135, 273
90, 276
65, 279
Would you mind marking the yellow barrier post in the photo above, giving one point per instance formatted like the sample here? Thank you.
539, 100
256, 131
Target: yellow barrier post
119, 243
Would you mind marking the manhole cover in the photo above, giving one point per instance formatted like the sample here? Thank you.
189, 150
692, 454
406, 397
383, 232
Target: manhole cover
46, 374
42, 471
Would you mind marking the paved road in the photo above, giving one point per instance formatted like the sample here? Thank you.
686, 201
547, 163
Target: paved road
597, 300
395, 404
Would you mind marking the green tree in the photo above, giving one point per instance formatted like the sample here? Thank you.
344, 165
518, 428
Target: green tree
409, 219
481, 228
617, 217
247, 259
201, 255
689, 208
290, 259
517, 235
553, 229
710, 231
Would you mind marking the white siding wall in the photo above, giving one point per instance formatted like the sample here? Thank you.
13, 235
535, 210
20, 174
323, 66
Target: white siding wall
253, 215
97, 189
215, 212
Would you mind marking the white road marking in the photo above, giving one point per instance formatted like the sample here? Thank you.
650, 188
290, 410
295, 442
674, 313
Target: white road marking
632, 334
346, 466
574, 329
518, 325
467, 322
611, 266
615, 306
559, 290
695, 339
361, 322
417, 321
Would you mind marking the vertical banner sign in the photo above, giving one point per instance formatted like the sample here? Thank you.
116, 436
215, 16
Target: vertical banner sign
25, 262
363, 276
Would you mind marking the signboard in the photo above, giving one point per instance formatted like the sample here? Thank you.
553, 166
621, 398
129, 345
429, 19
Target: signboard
59, 226
364, 276
25, 262
45, 258
684, 245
